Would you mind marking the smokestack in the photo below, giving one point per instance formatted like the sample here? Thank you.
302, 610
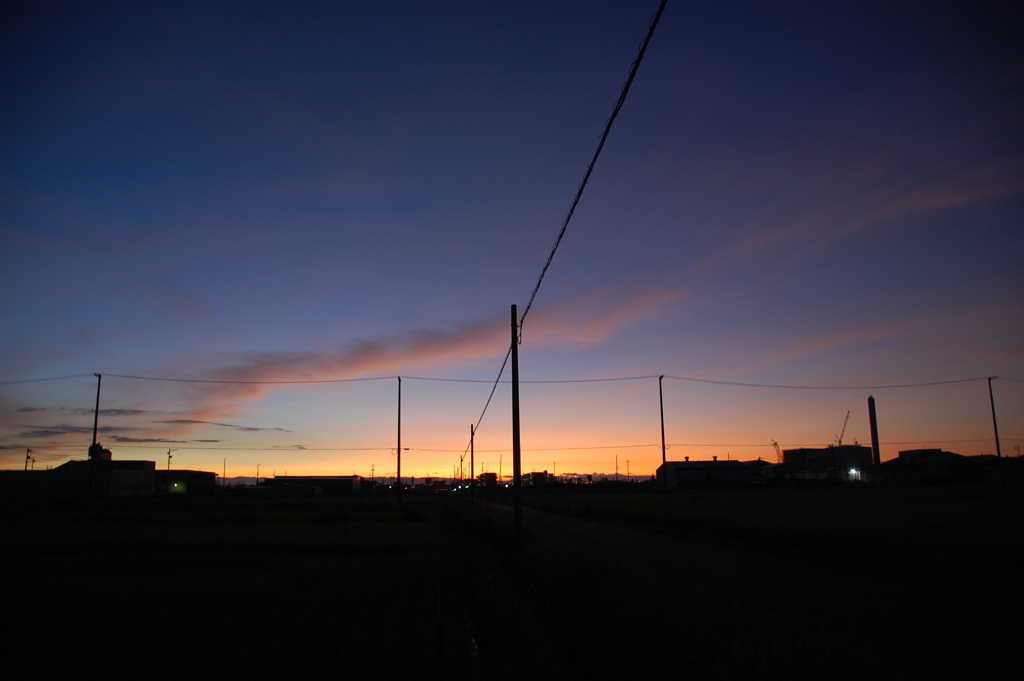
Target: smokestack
876, 457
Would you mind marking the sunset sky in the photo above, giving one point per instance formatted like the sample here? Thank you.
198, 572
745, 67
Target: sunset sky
793, 194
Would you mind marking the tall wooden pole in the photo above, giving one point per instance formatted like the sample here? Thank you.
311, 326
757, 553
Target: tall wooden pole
995, 427
661, 400
517, 471
96, 416
398, 451
876, 452
472, 468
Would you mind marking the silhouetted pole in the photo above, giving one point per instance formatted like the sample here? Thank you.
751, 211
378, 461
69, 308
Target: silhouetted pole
995, 427
876, 454
28, 455
96, 416
398, 475
661, 401
517, 491
472, 468
664, 460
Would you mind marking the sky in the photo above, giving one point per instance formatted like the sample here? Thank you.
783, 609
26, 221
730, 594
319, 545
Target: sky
793, 194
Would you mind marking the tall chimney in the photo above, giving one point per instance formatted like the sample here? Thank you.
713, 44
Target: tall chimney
876, 457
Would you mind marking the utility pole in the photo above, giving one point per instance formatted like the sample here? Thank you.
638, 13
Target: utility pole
224, 474
96, 417
876, 456
472, 468
28, 455
995, 427
398, 451
257, 474
661, 400
168, 459
517, 488
664, 462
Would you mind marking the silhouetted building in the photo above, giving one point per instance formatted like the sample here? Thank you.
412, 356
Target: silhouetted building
673, 474
917, 466
926, 456
185, 482
843, 462
96, 477
330, 485
536, 479
488, 479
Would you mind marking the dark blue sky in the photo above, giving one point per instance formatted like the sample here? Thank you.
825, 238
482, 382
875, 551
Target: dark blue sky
792, 194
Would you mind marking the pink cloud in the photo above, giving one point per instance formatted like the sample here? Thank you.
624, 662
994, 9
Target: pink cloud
585, 321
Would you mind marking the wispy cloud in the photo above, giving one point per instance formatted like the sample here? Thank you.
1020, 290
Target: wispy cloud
243, 429
110, 412
138, 440
65, 429
584, 321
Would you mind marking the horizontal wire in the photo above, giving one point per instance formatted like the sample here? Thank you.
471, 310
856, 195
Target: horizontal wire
40, 380
604, 379
203, 380
825, 387
564, 380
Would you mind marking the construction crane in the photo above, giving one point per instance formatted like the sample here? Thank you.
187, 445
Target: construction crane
778, 452
839, 439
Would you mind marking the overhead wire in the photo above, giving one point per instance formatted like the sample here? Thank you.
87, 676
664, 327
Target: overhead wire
825, 387
229, 382
40, 380
601, 379
652, 24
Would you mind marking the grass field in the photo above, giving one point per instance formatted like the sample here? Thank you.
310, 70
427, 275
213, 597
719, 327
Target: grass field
433, 588
941, 531
283, 589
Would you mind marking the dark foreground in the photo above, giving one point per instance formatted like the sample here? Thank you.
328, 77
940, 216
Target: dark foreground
432, 588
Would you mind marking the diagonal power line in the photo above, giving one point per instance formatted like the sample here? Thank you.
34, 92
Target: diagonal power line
590, 168
579, 193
